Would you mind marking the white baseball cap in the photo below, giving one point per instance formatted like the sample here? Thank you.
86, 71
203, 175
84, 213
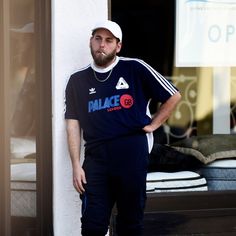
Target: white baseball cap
112, 26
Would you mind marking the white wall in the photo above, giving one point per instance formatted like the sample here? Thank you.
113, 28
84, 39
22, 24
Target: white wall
72, 21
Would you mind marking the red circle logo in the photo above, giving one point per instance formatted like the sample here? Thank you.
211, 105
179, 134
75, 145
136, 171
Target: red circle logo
126, 101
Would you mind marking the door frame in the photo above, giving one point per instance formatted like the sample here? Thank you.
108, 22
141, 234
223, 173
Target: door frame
4, 123
44, 123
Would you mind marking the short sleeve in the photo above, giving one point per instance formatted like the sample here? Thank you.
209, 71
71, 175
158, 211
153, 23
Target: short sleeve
70, 101
156, 86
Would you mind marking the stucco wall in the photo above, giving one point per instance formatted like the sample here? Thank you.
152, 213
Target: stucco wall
71, 29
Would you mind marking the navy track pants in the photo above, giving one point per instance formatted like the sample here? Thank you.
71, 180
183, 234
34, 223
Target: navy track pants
115, 173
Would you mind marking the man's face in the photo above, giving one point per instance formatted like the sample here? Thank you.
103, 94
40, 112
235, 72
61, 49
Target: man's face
104, 47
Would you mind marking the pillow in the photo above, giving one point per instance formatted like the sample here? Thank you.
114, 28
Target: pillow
22, 146
208, 148
23, 172
175, 182
225, 163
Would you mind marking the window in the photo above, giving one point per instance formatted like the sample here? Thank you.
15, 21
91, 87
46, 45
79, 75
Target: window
203, 124
25, 124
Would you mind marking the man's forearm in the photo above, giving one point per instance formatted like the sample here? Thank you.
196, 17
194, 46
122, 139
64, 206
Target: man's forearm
73, 138
165, 110
163, 113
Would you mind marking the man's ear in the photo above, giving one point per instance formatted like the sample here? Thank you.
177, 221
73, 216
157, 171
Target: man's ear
119, 46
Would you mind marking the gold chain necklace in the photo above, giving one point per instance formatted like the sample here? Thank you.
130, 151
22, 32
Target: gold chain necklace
102, 80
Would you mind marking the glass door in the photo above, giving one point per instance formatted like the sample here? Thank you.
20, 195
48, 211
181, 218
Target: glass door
25, 165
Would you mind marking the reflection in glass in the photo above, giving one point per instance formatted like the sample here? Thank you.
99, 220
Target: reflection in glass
22, 115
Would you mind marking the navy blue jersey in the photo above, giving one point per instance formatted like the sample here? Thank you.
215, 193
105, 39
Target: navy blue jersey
117, 106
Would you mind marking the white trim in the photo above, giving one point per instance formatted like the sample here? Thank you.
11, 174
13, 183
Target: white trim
164, 82
104, 70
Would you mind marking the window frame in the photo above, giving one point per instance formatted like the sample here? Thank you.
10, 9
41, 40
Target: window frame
44, 123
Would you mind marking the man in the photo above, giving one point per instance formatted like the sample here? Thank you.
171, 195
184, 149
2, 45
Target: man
109, 101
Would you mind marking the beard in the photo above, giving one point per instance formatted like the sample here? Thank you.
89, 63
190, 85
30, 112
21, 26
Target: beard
101, 59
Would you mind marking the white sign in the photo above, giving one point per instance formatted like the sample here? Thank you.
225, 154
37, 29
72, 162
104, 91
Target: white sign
205, 33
